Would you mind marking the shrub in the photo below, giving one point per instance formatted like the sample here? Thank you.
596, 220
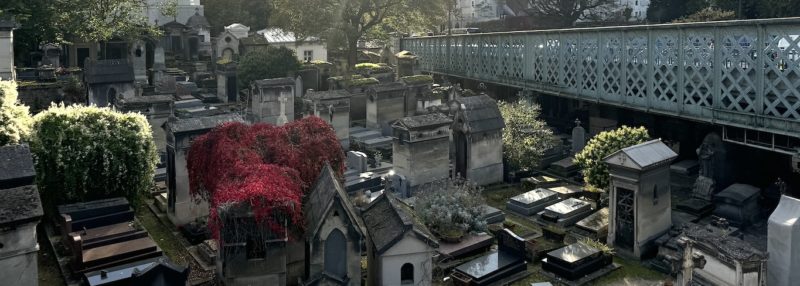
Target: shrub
526, 137
595, 172
88, 153
451, 207
15, 120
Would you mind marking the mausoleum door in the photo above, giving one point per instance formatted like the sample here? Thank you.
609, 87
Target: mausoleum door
232, 93
171, 179
624, 234
194, 44
336, 254
461, 154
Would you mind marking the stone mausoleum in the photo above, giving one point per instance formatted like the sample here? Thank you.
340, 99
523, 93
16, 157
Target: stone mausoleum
478, 139
640, 197
181, 207
333, 234
272, 101
20, 212
421, 148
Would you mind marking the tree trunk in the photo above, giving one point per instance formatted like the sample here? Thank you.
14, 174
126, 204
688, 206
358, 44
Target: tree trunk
352, 54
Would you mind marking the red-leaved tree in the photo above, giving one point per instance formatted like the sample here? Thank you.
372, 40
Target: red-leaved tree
268, 168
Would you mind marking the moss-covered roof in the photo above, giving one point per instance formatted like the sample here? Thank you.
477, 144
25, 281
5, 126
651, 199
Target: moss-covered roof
406, 55
417, 79
354, 82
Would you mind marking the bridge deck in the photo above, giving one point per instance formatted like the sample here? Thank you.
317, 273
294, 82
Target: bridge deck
735, 73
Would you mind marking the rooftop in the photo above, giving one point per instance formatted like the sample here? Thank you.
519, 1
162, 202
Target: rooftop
388, 87
387, 220
428, 120
647, 154
480, 113
328, 94
201, 123
16, 166
327, 190
283, 81
19, 205
275, 35
108, 71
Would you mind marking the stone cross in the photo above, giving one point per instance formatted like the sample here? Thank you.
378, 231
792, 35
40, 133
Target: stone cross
282, 119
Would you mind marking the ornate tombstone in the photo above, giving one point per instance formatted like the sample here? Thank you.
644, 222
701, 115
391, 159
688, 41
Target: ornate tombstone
712, 157
640, 208
272, 101
333, 106
578, 137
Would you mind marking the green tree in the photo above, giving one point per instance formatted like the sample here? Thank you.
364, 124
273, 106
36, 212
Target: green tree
707, 15
62, 21
264, 63
220, 13
15, 121
595, 172
661, 11
745, 9
526, 137
344, 22
564, 13
88, 153
778, 8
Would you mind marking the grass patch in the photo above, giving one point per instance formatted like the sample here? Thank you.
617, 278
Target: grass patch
49, 272
630, 270
163, 236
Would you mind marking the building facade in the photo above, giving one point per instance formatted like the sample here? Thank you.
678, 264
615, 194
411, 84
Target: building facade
308, 50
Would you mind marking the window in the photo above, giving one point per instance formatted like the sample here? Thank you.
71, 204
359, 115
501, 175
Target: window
407, 274
308, 56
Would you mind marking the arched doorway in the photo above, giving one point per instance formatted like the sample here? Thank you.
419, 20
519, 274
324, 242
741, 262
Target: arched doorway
336, 254
407, 274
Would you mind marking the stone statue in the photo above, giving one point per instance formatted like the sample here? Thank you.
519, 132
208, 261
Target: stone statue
578, 137
705, 154
282, 119
330, 112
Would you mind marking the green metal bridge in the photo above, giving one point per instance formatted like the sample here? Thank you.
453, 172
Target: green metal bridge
743, 74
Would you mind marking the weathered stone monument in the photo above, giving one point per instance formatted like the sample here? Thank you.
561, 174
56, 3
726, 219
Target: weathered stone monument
333, 234
227, 86
138, 58
477, 135
713, 259
108, 81
578, 137
738, 203
639, 199
20, 211
421, 148
272, 101
182, 208
385, 104
334, 107
7, 26
783, 243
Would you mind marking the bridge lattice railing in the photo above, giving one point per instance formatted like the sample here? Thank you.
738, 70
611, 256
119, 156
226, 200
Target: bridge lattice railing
737, 73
